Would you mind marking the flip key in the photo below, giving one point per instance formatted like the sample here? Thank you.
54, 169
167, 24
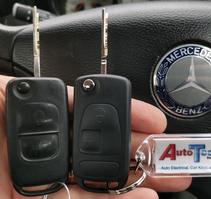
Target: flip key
101, 140
37, 126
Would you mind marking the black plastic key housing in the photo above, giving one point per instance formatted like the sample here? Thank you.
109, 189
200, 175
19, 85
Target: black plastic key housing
38, 135
101, 138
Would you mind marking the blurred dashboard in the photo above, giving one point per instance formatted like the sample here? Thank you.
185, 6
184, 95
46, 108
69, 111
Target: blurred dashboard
54, 7
51, 8
77, 5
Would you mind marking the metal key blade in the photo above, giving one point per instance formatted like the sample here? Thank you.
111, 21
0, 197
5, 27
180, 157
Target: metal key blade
104, 42
36, 42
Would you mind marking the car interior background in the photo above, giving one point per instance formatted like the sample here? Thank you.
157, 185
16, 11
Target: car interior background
140, 34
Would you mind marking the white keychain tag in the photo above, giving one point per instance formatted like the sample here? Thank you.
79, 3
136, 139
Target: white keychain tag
176, 155
172, 155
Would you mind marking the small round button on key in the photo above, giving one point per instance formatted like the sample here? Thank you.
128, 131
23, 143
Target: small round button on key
88, 85
23, 87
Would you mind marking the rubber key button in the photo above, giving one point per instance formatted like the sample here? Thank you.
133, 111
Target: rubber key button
23, 87
99, 125
93, 169
41, 117
91, 141
39, 147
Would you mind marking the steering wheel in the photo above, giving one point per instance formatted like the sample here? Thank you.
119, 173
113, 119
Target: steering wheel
140, 37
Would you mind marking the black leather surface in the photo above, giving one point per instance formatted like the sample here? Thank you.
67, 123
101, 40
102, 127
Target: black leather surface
139, 35
7, 36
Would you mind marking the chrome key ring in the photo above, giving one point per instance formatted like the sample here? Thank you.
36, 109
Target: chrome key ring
134, 184
122, 190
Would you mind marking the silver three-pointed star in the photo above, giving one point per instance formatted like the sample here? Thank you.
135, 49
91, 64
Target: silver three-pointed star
191, 81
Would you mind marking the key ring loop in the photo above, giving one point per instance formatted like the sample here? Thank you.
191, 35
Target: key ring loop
66, 188
51, 189
133, 185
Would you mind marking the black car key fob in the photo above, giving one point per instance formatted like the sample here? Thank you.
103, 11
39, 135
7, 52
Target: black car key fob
101, 139
37, 126
101, 131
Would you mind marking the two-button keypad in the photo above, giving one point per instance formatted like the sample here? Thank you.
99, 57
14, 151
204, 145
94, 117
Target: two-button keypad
38, 131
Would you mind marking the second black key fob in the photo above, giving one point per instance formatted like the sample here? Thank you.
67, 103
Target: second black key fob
101, 132
101, 139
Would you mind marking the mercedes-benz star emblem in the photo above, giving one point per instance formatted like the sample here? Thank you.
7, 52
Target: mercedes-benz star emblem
182, 81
